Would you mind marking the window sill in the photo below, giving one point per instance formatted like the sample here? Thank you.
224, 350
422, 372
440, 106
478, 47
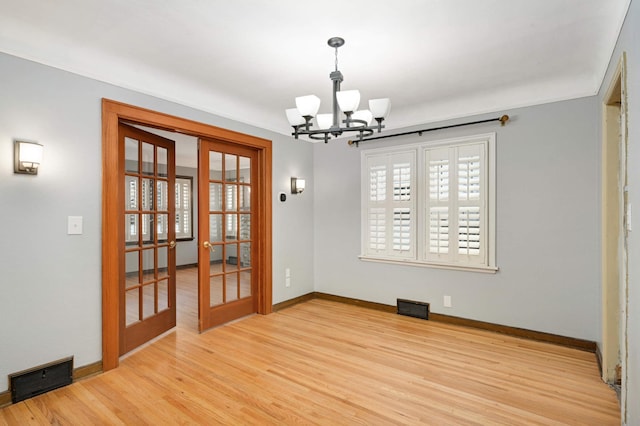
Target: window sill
411, 262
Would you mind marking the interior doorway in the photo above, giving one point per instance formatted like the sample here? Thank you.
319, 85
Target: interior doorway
113, 233
614, 229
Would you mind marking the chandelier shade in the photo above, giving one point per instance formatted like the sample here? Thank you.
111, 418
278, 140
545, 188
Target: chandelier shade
380, 108
324, 121
334, 124
362, 117
348, 100
308, 106
294, 117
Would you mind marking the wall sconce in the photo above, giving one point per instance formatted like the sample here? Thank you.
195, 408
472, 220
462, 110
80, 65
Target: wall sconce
297, 185
27, 156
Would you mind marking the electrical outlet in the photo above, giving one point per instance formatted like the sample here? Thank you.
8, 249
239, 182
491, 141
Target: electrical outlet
447, 301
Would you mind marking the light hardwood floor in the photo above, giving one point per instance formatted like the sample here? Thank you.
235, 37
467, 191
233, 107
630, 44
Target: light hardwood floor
322, 362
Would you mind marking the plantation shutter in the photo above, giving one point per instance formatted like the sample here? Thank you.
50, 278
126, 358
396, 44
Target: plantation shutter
454, 209
183, 208
438, 167
471, 198
390, 205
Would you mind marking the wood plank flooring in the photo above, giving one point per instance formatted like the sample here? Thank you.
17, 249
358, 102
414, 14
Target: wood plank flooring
322, 362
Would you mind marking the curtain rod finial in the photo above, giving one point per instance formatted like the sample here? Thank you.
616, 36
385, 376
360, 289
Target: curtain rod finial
504, 119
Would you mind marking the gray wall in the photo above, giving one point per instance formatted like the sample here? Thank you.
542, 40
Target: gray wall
547, 227
50, 289
629, 42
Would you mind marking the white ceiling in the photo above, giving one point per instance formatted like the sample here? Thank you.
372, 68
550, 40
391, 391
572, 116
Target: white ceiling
248, 59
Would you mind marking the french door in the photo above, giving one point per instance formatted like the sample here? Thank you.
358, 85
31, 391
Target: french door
227, 260
147, 263
113, 218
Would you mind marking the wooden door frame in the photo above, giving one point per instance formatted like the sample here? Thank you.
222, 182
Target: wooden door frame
610, 229
112, 113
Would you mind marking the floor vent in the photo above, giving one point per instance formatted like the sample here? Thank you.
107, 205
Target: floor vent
41, 379
412, 308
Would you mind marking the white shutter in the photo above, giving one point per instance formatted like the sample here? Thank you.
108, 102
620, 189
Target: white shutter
183, 208
377, 182
438, 166
403, 221
186, 209
471, 186
377, 230
390, 205
449, 221
455, 201
376, 212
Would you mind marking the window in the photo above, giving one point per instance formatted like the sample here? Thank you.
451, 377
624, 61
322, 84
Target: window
431, 204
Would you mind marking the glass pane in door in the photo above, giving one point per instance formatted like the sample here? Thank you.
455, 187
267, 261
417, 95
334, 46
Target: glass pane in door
232, 286
163, 295
215, 196
245, 255
230, 168
148, 163
215, 228
215, 292
148, 300
132, 300
131, 155
162, 162
245, 169
245, 283
148, 265
215, 165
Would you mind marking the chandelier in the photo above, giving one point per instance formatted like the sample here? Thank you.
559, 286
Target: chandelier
347, 101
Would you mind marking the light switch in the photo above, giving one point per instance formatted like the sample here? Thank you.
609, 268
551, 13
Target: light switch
74, 225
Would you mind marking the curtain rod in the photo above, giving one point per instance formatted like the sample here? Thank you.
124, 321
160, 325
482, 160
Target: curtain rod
502, 121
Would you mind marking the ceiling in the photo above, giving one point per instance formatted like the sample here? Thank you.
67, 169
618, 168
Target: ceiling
248, 59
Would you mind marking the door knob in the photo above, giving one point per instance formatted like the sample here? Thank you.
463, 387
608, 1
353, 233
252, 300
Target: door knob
208, 245
172, 244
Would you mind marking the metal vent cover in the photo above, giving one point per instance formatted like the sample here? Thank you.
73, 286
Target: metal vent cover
413, 308
38, 380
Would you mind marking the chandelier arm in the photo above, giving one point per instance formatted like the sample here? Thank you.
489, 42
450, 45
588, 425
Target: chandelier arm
318, 135
350, 121
380, 126
307, 122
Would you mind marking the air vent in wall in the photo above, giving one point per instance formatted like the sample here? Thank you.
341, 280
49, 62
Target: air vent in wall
412, 308
41, 379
